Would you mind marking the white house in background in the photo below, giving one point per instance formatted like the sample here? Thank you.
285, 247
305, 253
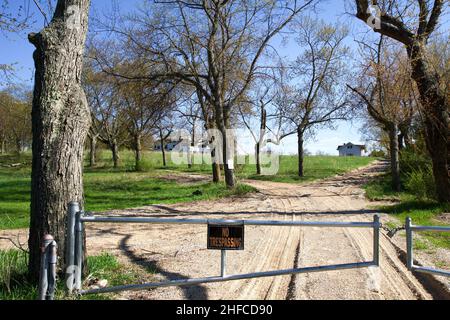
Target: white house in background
199, 147
352, 150
168, 146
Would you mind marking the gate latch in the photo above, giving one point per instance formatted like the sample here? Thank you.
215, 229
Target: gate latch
392, 232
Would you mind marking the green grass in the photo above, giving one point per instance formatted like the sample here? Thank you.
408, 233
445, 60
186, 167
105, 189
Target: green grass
14, 191
14, 284
105, 191
315, 167
106, 266
381, 189
107, 188
422, 212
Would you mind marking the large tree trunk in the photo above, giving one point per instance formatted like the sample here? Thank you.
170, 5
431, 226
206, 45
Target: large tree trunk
18, 146
394, 150
228, 158
115, 154
432, 97
216, 172
222, 120
258, 158
437, 123
163, 148
214, 157
60, 123
263, 125
301, 153
215, 164
191, 150
190, 156
93, 151
138, 150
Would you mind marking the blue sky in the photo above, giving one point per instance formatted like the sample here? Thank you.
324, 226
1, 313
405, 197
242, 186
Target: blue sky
15, 49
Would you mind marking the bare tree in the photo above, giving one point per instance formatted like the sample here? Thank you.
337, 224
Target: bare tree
414, 31
145, 104
61, 121
190, 111
208, 113
260, 98
215, 46
389, 98
15, 119
164, 129
319, 96
109, 122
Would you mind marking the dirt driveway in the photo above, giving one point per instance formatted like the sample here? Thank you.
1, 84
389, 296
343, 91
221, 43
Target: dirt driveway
178, 252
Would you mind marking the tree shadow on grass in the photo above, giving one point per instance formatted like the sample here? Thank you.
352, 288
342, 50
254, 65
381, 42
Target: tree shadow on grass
413, 205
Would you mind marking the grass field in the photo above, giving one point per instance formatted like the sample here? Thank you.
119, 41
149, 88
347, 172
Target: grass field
422, 212
107, 188
316, 167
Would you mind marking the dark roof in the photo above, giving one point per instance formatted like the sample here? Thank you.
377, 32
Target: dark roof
352, 144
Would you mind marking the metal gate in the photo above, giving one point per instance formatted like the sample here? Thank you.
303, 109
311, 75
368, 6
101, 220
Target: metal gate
409, 247
77, 219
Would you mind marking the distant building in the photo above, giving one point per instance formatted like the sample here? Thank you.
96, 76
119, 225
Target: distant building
199, 147
168, 146
351, 150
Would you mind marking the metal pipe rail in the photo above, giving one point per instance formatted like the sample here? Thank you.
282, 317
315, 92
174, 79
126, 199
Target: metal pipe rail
190, 282
77, 219
99, 219
47, 274
409, 248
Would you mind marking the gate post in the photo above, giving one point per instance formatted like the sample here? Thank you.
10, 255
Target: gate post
223, 263
78, 250
43, 278
52, 261
73, 208
47, 275
409, 244
376, 240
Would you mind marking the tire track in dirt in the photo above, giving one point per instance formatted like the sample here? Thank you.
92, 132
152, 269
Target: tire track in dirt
390, 268
391, 281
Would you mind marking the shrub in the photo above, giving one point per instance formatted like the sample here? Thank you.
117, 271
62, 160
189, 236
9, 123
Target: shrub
143, 166
420, 182
13, 268
377, 154
411, 161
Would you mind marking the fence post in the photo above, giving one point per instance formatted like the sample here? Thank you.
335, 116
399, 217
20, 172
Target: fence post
78, 250
409, 244
43, 277
73, 208
223, 263
376, 240
52, 261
